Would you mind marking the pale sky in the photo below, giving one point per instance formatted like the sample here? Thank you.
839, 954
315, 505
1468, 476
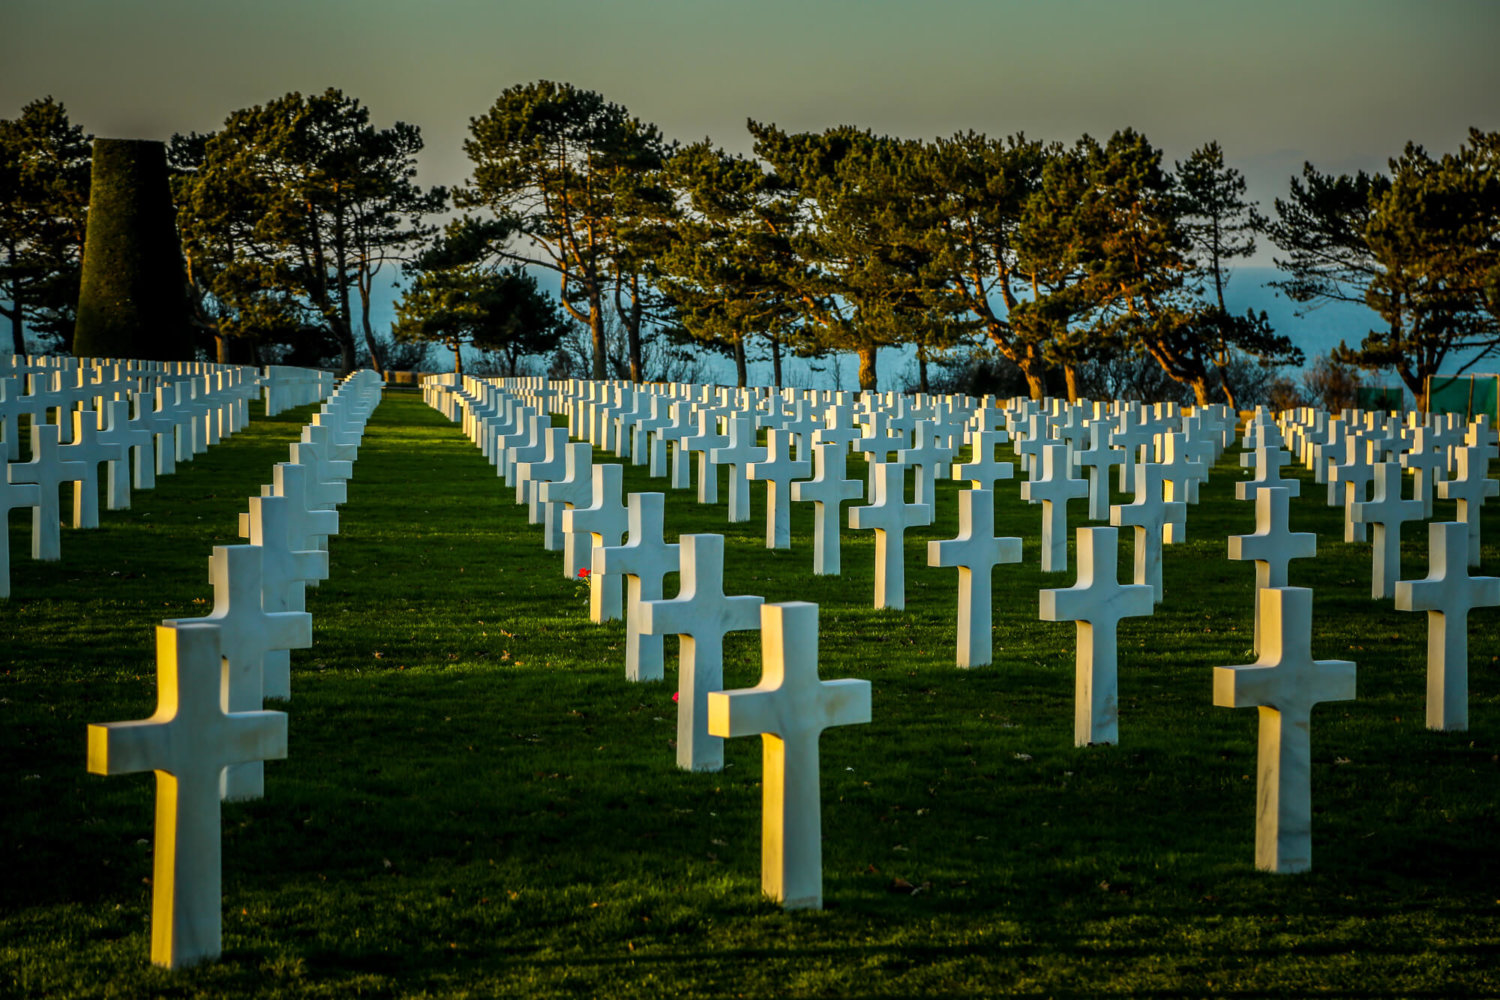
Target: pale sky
1276, 82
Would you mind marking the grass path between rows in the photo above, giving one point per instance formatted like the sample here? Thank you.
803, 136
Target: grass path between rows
476, 803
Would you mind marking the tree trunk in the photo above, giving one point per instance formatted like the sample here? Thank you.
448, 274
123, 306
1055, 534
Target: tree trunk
775, 362
1036, 382
221, 348
596, 333
1200, 390
376, 361
1070, 380
922, 370
458, 357
633, 329
741, 374
18, 317
1228, 392
867, 378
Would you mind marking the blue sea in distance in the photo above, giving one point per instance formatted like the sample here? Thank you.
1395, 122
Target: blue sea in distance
1316, 330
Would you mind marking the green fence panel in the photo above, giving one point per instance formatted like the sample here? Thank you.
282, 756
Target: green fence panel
1379, 397
1470, 395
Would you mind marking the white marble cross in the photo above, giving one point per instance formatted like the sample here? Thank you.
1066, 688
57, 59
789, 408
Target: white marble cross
1447, 594
575, 488
975, 552
1180, 476
13, 495
1387, 511
1097, 459
1284, 683
48, 469
777, 472
88, 450
1129, 437
308, 526
740, 452
889, 517
1053, 488
983, 470
187, 743
700, 615
530, 476
644, 560
247, 632
1148, 514
605, 520
789, 709
826, 491
1272, 545
1470, 487
705, 442
137, 450
1268, 460
285, 573
1355, 473
1029, 446
928, 457
1097, 603
1425, 461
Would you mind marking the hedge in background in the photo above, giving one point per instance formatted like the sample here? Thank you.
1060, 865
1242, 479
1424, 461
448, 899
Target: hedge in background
133, 298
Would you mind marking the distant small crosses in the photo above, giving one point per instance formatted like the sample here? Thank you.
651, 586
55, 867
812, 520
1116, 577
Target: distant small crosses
826, 491
1097, 603
701, 616
605, 520
889, 516
975, 552
187, 743
1447, 595
982, 470
1470, 487
247, 632
789, 709
1272, 546
778, 471
1284, 683
1053, 487
644, 560
1387, 511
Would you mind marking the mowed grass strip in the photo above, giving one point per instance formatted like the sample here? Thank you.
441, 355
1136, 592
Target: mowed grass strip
476, 802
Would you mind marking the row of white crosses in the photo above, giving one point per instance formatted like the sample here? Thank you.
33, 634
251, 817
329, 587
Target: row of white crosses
109, 415
1285, 682
888, 514
790, 707
210, 735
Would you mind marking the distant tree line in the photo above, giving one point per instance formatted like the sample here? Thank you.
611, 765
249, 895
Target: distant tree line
1063, 262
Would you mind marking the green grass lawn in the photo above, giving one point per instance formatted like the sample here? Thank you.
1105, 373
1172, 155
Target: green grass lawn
476, 802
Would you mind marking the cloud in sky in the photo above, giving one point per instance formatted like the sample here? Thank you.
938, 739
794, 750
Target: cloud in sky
1344, 84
